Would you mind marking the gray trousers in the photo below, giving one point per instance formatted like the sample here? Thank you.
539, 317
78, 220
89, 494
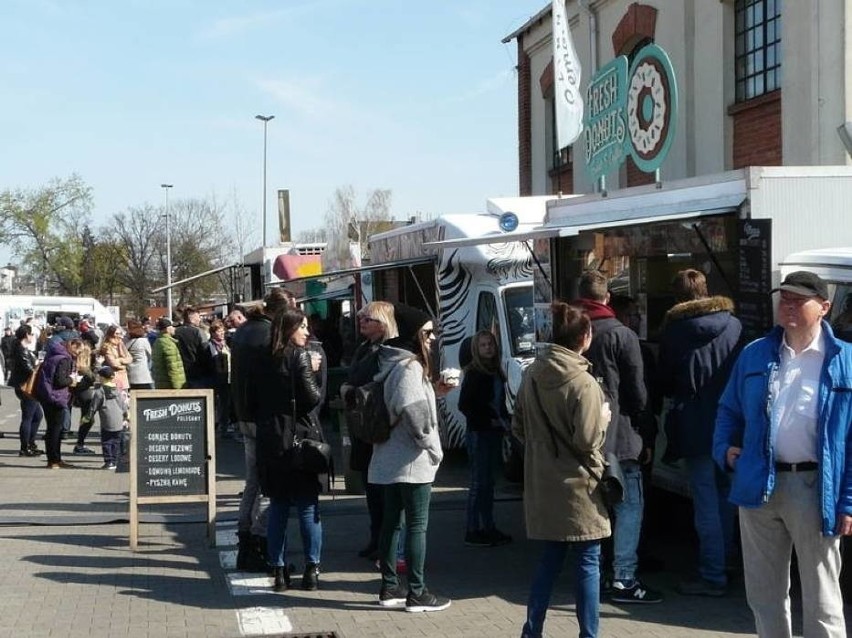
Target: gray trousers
790, 519
253, 507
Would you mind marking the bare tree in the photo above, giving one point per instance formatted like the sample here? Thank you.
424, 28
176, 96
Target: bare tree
140, 232
244, 235
345, 221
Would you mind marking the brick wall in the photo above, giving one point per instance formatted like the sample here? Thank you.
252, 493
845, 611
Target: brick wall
757, 131
636, 177
562, 180
524, 121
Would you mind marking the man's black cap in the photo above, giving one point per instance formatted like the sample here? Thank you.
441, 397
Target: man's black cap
804, 283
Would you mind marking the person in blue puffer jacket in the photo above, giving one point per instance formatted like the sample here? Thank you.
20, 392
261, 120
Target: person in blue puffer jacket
783, 429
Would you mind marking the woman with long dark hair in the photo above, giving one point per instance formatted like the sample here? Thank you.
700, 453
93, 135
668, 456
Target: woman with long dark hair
406, 464
561, 418
289, 388
22, 363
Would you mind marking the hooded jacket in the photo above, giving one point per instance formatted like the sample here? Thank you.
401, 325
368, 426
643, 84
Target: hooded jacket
54, 378
742, 421
109, 404
616, 360
557, 415
698, 347
413, 452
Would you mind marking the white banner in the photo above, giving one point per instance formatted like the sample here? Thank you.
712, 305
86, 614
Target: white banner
566, 77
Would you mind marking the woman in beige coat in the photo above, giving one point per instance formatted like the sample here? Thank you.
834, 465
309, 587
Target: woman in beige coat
560, 414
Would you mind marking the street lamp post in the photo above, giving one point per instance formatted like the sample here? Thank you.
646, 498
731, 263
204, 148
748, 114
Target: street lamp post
166, 188
265, 119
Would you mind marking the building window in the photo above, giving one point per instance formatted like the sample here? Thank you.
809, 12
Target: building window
758, 47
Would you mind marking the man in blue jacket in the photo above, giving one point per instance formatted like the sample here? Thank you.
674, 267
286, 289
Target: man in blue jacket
783, 429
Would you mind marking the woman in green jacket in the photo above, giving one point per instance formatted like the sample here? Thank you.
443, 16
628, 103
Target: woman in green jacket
166, 364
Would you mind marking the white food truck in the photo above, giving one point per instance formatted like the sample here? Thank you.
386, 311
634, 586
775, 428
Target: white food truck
461, 270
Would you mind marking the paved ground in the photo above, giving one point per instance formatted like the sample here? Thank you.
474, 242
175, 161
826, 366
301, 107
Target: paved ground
67, 569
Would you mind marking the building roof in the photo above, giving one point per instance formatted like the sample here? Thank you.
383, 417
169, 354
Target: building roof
526, 26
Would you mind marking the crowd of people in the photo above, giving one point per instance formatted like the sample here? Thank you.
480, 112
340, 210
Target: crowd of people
763, 429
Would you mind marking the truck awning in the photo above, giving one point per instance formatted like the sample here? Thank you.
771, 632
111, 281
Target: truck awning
692, 198
332, 274
206, 273
539, 232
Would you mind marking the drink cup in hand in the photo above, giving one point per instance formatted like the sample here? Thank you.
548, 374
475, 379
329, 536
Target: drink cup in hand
606, 413
315, 350
450, 377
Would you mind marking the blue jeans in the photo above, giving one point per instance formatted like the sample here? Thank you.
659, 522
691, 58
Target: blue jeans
31, 415
628, 524
309, 525
714, 517
587, 560
483, 454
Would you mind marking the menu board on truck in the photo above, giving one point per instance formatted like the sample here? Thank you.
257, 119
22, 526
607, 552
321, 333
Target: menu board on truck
754, 303
172, 454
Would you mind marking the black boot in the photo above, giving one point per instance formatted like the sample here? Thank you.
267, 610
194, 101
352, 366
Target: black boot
245, 548
310, 579
282, 578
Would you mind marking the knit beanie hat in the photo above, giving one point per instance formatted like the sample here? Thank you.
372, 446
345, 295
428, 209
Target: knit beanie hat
409, 321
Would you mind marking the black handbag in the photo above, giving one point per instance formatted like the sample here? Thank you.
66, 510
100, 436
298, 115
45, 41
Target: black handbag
306, 454
610, 482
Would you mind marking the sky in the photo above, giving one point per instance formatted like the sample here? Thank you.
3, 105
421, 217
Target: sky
416, 97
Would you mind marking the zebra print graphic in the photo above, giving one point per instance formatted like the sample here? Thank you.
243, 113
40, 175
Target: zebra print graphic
453, 290
511, 261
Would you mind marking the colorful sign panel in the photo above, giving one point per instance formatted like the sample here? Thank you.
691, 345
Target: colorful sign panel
631, 113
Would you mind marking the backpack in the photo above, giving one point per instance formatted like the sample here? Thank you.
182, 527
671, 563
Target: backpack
365, 410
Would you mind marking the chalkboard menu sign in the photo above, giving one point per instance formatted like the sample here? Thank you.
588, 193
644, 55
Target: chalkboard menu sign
171, 446
172, 454
754, 303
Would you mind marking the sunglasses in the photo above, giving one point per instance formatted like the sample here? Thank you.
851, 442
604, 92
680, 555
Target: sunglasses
430, 332
362, 318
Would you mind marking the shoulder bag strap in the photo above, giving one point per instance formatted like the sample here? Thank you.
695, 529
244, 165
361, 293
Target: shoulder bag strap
552, 432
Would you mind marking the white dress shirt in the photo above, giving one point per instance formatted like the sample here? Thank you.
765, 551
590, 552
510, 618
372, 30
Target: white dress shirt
795, 392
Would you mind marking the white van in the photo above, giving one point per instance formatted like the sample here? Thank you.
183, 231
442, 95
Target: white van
834, 265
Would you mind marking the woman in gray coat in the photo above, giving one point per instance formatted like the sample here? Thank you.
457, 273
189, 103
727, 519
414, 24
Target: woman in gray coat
405, 465
560, 414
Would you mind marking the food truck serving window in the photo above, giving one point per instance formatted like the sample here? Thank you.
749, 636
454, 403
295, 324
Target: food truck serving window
641, 260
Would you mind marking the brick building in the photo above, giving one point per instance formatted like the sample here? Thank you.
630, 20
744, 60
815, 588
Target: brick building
761, 82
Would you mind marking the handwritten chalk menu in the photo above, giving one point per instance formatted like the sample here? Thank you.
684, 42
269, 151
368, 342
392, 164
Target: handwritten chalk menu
754, 303
172, 446
172, 453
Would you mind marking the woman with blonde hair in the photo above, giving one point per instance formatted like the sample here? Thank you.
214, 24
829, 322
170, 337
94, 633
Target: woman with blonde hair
82, 394
116, 355
483, 403
376, 324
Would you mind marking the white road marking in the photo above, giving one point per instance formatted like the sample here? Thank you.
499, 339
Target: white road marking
245, 584
263, 621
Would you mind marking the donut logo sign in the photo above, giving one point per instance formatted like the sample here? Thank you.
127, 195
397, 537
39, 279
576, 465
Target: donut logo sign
631, 112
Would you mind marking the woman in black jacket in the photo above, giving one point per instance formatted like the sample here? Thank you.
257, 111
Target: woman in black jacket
483, 403
289, 388
22, 363
376, 324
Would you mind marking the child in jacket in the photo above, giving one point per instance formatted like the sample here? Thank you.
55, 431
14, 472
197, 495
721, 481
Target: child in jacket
109, 404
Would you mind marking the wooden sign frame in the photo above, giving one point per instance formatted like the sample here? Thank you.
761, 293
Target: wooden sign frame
136, 442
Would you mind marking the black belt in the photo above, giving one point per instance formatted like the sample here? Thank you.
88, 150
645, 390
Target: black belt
806, 466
